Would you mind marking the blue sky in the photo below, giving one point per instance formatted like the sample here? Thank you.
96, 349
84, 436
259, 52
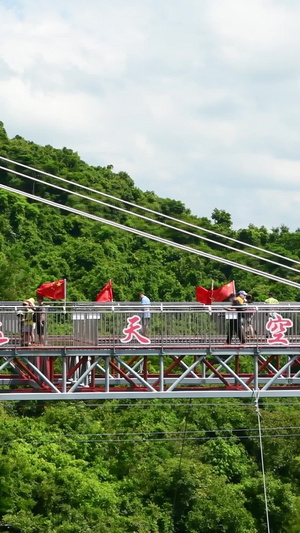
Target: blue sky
198, 100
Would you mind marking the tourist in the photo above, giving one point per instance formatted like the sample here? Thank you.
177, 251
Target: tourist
145, 314
40, 320
234, 317
26, 321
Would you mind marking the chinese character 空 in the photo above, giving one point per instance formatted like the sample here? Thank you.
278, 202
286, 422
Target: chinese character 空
277, 327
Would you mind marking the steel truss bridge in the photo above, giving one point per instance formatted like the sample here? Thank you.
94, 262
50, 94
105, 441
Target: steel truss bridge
101, 352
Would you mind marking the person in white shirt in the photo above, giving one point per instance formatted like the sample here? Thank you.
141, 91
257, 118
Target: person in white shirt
146, 315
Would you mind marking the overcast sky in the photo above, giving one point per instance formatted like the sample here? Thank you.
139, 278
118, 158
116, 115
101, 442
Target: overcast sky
197, 100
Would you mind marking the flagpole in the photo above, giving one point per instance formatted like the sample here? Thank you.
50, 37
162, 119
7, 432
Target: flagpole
211, 291
65, 292
234, 287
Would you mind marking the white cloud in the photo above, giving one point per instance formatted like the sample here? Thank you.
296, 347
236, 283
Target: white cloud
198, 101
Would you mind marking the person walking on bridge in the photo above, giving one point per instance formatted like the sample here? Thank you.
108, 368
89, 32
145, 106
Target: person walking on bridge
26, 321
145, 301
271, 299
40, 320
234, 316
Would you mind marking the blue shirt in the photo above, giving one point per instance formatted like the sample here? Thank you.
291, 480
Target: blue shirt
145, 301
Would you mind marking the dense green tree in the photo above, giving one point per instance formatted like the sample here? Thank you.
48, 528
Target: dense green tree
110, 466
181, 467
39, 243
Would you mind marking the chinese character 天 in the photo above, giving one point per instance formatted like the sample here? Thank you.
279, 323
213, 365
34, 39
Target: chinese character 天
133, 330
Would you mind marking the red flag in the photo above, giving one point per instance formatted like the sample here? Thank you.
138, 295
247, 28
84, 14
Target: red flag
202, 295
106, 294
52, 289
207, 297
222, 293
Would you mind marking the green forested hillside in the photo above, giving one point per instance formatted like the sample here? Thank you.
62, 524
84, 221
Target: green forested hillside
148, 467
39, 243
131, 467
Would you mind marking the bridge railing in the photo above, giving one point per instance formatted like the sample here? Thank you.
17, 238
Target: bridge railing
119, 325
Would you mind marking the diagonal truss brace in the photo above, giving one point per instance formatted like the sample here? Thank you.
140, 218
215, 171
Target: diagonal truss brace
41, 375
186, 373
232, 372
134, 373
280, 372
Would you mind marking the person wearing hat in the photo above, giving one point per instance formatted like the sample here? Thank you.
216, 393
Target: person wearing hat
241, 297
235, 317
31, 302
26, 318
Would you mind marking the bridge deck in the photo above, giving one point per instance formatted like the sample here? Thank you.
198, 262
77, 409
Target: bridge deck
87, 353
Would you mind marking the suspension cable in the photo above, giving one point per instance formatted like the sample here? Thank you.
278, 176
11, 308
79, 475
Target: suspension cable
154, 221
153, 237
149, 210
262, 459
181, 455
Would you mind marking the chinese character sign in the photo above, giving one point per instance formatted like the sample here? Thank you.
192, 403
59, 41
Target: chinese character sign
133, 330
3, 340
277, 327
